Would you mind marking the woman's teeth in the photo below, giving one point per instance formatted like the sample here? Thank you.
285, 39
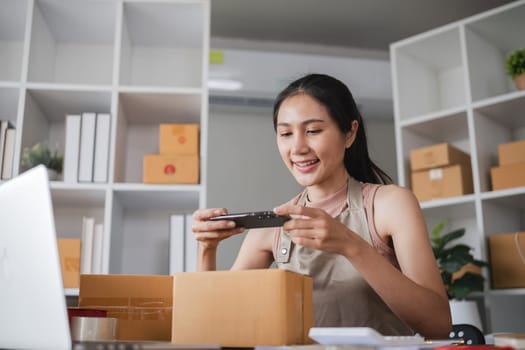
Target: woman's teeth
305, 164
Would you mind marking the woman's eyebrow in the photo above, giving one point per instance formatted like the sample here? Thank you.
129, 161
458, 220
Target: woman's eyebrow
306, 122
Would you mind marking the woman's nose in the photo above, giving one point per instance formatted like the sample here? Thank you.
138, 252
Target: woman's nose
299, 144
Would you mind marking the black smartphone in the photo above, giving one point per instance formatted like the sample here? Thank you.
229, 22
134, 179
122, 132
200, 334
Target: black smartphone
255, 219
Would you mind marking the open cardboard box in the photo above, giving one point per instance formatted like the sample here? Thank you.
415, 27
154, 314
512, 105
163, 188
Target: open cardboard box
245, 308
231, 308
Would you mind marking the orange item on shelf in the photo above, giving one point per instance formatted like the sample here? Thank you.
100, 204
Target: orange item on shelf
450, 181
508, 176
437, 156
507, 269
179, 139
171, 169
69, 251
511, 153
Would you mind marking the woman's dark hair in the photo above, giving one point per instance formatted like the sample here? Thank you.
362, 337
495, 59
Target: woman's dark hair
341, 106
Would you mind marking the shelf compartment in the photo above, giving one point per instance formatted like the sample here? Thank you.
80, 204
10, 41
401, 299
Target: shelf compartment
139, 116
425, 133
12, 35
506, 310
489, 40
504, 213
162, 44
499, 122
45, 111
9, 104
72, 42
456, 213
71, 205
429, 74
140, 228
179, 198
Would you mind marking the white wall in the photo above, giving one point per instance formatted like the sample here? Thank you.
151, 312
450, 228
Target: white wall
245, 171
380, 135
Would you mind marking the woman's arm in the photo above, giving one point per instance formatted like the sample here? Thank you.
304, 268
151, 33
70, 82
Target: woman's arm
209, 234
419, 296
256, 249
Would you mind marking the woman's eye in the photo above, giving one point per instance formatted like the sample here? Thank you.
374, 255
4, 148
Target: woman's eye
285, 134
313, 131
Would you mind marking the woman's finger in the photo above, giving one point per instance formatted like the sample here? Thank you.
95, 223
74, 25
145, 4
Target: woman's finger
298, 211
205, 214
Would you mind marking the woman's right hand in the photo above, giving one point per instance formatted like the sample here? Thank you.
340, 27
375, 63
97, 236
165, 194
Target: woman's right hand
210, 233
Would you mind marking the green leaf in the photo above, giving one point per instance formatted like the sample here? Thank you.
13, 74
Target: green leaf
466, 284
436, 231
453, 235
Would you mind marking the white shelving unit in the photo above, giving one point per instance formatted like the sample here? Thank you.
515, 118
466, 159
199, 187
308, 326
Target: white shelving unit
144, 62
450, 86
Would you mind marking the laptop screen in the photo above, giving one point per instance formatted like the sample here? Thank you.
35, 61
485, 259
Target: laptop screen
32, 302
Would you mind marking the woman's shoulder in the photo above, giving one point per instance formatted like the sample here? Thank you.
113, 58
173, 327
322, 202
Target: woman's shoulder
394, 206
389, 195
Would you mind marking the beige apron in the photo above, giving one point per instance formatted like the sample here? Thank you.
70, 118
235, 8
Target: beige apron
341, 296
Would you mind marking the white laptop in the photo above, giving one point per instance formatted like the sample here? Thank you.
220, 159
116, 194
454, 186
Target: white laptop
32, 302
33, 311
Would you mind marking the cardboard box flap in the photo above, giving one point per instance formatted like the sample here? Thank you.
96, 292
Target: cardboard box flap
142, 303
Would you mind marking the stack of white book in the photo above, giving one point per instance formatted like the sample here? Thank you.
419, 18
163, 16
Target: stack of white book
91, 246
86, 149
7, 149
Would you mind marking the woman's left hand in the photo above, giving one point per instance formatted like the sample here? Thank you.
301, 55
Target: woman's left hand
314, 228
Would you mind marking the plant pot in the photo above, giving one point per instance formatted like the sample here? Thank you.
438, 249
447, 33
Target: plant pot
465, 311
519, 81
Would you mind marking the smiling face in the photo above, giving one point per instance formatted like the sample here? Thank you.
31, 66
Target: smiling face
311, 145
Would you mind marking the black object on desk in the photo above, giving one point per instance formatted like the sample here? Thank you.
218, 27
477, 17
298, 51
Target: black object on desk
470, 334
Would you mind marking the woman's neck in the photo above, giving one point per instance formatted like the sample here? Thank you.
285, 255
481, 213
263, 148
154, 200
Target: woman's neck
322, 191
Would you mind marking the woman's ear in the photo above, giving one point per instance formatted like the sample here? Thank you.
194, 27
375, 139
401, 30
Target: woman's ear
351, 135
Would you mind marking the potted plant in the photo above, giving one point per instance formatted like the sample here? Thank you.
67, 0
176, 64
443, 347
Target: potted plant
515, 67
41, 154
458, 272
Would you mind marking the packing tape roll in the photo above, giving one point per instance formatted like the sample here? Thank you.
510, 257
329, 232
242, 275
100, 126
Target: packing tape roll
93, 328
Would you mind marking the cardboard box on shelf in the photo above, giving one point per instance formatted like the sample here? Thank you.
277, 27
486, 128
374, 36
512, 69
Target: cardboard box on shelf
69, 251
437, 156
507, 260
450, 181
242, 308
171, 169
511, 153
142, 303
179, 139
508, 176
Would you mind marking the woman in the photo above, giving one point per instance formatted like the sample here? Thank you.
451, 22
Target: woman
363, 240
